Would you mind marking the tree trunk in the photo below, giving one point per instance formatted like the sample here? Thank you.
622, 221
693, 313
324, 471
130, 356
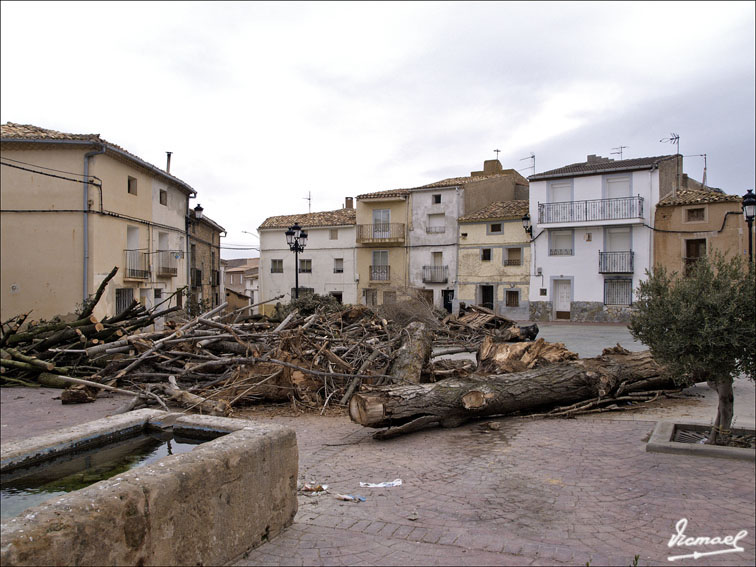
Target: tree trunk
451, 402
414, 353
725, 410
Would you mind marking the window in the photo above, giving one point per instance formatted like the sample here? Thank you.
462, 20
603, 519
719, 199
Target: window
380, 270
437, 199
338, 295
436, 223
560, 243
132, 186
494, 228
163, 197
694, 250
158, 293
513, 298
618, 291
514, 257
617, 186
276, 266
695, 215
560, 191
371, 297
485, 255
305, 266
124, 297
333, 234
338, 265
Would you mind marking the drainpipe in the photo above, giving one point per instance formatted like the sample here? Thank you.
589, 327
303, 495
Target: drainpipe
188, 253
85, 208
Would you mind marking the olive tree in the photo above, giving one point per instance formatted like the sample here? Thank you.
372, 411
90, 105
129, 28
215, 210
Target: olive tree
701, 326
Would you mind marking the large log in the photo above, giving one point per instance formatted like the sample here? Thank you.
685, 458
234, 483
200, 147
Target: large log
409, 359
450, 402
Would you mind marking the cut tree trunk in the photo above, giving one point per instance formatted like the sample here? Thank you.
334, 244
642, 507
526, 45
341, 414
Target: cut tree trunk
409, 359
450, 402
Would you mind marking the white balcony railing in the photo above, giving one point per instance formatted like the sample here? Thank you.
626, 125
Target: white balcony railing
593, 210
167, 263
137, 265
435, 274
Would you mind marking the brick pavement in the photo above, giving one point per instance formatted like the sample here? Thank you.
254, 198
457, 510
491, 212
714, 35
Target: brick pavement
536, 492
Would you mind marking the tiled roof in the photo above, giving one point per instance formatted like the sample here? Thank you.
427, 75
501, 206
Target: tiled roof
340, 217
249, 264
603, 166
694, 196
449, 182
11, 131
498, 211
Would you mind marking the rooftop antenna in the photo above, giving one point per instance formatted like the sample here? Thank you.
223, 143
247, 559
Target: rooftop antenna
497, 154
619, 148
309, 201
532, 166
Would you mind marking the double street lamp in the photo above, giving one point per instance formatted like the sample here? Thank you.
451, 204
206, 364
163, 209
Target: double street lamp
296, 238
749, 212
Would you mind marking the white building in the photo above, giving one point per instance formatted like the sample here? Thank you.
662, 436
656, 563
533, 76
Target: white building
326, 266
592, 235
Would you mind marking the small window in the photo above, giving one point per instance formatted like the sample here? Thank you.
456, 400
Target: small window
158, 293
338, 265
485, 255
436, 224
437, 199
560, 243
695, 215
494, 228
132, 186
276, 266
305, 266
333, 234
124, 297
164, 197
618, 292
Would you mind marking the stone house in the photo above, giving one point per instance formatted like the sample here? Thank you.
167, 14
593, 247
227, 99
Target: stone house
73, 207
204, 260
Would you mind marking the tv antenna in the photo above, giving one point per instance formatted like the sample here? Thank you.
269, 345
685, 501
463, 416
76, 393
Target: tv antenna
532, 165
673, 139
619, 150
497, 153
703, 180
309, 201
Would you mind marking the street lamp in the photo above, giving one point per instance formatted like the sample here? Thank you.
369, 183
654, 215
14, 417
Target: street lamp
198, 212
296, 238
749, 211
526, 225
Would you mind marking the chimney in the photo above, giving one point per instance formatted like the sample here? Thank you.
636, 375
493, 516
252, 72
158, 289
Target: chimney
168, 163
593, 158
348, 203
490, 167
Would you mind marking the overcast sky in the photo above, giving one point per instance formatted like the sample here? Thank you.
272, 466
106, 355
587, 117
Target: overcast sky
261, 103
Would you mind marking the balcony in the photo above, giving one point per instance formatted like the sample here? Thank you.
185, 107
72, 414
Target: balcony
435, 229
167, 263
380, 273
137, 265
435, 274
569, 212
386, 234
616, 262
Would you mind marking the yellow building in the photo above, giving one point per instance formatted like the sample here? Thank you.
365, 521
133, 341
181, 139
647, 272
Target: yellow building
73, 207
494, 259
692, 223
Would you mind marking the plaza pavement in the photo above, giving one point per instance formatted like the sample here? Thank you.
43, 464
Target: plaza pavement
532, 492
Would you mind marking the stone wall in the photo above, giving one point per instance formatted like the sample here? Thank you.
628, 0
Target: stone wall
541, 310
597, 312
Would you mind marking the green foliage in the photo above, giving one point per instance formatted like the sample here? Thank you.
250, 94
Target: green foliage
702, 326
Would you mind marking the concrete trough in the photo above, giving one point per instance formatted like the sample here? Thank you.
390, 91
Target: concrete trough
204, 507
661, 441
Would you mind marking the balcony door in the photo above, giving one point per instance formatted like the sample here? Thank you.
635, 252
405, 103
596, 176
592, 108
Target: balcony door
381, 223
618, 239
380, 267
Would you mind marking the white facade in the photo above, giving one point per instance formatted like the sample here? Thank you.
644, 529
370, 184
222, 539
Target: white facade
592, 243
327, 265
432, 239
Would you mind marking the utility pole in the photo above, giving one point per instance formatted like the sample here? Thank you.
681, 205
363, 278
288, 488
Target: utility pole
309, 201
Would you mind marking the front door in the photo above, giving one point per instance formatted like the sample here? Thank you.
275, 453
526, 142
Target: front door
448, 296
487, 296
562, 298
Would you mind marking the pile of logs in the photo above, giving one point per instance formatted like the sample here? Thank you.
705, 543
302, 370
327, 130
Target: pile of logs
399, 377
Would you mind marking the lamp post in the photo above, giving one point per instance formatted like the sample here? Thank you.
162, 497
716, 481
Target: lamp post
296, 238
749, 212
526, 225
198, 212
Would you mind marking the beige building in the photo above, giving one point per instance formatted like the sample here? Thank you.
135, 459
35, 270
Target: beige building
73, 207
240, 281
494, 259
691, 223
204, 261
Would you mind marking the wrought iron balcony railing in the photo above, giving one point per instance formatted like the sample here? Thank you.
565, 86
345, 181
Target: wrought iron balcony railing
435, 274
380, 273
167, 263
616, 262
137, 265
435, 229
385, 233
594, 210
